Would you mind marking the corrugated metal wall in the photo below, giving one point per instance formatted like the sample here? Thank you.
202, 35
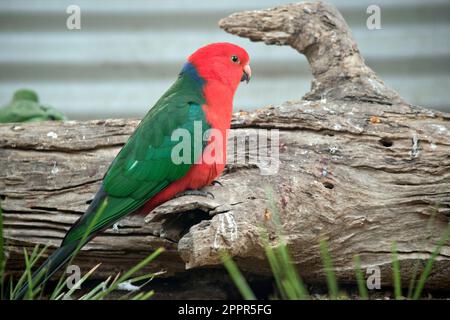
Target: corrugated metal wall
128, 52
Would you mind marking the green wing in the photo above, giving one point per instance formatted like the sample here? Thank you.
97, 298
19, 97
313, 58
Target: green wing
144, 166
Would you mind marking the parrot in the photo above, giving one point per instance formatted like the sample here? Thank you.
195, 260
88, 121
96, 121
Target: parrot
144, 175
25, 107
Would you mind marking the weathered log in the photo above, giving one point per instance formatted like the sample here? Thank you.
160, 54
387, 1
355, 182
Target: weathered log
356, 165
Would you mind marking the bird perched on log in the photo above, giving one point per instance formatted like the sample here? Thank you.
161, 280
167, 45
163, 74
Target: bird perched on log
145, 172
25, 107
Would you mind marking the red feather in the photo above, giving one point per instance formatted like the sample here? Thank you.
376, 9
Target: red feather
222, 77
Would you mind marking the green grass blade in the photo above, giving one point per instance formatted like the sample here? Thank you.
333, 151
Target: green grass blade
129, 273
140, 265
35, 256
396, 272
2, 256
426, 272
31, 259
29, 263
59, 287
60, 296
413, 280
237, 277
143, 295
61, 282
329, 270
288, 281
276, 270
362, 289
96, 289
137, 296
29, 294
291, 274
289, 289
11, 287
147, 295
148, 277
80, 282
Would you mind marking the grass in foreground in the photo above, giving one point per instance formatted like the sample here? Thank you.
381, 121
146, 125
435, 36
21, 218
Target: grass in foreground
288, 281
289, 284
9, 288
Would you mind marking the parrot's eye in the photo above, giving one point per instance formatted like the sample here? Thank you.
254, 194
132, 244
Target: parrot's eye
235, 59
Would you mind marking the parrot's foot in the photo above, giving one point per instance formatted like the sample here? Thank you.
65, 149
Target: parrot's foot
199, 193
216, 183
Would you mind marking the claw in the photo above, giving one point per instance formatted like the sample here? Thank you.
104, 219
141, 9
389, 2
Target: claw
215, 182
199, 193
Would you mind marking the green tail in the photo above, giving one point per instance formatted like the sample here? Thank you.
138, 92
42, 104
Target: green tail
48, 268
63, 254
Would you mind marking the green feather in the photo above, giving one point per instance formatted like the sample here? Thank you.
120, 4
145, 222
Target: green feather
144, 166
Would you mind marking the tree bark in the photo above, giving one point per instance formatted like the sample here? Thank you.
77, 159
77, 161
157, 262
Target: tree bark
356, 165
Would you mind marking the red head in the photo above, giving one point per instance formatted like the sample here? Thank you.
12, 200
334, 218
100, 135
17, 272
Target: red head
222, 62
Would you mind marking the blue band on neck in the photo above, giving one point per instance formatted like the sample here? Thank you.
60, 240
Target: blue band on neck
189, 70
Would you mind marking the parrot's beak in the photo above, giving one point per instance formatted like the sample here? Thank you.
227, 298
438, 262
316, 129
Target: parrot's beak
247, 74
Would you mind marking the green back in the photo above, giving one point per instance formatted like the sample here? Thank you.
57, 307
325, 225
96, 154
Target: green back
144, 166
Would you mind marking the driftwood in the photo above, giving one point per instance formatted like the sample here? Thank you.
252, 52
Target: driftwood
357, 165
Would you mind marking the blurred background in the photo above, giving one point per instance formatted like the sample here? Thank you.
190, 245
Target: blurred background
127, 53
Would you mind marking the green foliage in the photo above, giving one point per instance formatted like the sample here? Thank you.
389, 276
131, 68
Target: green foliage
9, 289
328, 266
396, 273
2, 254
426, 272
290, 286
237, 277
99, 292
289, 283
362, 289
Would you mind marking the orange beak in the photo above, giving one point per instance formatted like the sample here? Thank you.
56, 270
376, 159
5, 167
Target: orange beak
247, 74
